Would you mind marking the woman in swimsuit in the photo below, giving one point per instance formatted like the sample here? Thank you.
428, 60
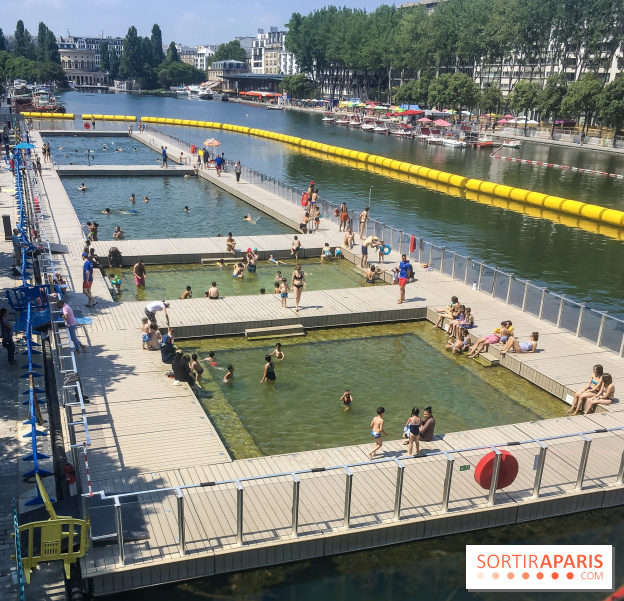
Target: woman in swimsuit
482, 343
370, 274
413, 424
269, 370
604, 398
528, 346
594, 387
304, 223
298, 283
230, 243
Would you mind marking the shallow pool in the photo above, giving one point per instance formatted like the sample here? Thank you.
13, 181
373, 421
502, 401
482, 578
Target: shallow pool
102, 151
211, 210
396, 366
169, 281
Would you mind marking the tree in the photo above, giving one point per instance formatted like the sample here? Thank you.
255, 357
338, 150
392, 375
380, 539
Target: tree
175, 73
525, 97
551, 97
24, 45
415, 91
297, 86
131, 64
2, 41
491, 98
172, 54
462, 92
232, 51
47, 48
114, 64
105, 59
583, 97
157, 45
611, 104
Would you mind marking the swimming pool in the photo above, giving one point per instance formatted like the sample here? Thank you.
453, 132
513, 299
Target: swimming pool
396, 366
211, 210
116, 150
169, 281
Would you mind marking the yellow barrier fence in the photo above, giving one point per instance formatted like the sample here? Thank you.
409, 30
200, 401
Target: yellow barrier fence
36, 115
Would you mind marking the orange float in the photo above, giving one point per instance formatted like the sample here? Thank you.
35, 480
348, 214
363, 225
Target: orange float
506, 474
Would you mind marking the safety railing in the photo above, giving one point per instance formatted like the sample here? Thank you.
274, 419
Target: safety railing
451, 487
19, 566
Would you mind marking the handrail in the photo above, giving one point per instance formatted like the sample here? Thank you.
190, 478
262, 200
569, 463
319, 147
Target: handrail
19, 566
346, 469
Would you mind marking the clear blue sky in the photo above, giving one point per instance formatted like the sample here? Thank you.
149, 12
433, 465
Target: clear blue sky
187, 21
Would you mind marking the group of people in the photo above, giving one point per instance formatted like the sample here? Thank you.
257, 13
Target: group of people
416, 430
600, 390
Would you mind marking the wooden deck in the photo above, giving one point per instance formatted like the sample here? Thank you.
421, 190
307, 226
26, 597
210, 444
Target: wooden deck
148, 434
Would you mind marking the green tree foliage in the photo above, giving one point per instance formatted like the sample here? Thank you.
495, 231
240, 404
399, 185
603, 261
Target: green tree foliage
157, 45
47, 48
525, 97
551, 97
231, 50
105, 59
582, 97
131, 65
611, 104
172, 54
297, 86
491, 99
17, 67
415, 91
115, 64
24, 45
175, 73
2, 41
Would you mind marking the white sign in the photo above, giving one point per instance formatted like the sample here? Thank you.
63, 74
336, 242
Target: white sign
539, 567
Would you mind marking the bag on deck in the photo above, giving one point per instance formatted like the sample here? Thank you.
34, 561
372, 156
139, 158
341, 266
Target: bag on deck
114, 257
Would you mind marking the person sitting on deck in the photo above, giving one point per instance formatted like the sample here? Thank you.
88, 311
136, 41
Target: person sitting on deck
230, 243
449, 312
593, 388
605, 397
326, 253
464, 321
482, 343
528, 346
167, 348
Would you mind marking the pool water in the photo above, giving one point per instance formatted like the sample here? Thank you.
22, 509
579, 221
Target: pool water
395, 366
102, 151
211, 210
169, 281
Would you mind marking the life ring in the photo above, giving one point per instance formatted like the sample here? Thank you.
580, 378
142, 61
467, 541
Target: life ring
193, 149
506, 475
336, 213
385, 249
86, 125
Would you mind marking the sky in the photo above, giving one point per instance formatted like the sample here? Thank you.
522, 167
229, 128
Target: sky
185, 22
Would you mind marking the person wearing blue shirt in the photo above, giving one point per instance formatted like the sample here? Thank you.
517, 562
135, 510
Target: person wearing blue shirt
87, 280
404, 274
17, 247
218, 165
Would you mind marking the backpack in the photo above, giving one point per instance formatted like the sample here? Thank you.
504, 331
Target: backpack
114, 257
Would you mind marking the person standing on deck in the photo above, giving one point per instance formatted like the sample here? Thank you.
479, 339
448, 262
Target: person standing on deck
70, 322
87, 280
154, 307
363, 220
297, 284
218, 165
237, 170
427, 425
140, 273
163, 150
7, 335
17, 247
404, 274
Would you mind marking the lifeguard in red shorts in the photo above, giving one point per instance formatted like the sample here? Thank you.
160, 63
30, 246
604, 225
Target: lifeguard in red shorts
404, 273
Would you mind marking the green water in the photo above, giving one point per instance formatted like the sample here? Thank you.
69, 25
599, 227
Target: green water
211, 210
170, 281
427, 570
582, 265
102, 151
395, 366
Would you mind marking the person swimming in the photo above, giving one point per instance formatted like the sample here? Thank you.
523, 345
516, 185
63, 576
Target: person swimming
82, 188
106, 211
239, 270
186, 209
272, 260
249, 218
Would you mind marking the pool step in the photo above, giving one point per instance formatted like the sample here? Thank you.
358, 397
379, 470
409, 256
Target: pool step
275, 332
488, 360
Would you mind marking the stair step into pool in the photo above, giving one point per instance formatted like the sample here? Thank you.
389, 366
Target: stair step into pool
276, 331
488, 360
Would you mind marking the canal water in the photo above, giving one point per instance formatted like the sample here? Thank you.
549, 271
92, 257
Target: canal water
567, 260
571, 261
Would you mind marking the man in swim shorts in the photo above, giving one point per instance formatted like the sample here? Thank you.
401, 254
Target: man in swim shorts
404, 272
139, 273
377, 430
370, 242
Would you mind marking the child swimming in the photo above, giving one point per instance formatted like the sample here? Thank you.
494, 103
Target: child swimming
279, 354
229, 375
346, 399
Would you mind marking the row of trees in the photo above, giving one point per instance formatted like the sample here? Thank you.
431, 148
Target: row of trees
350, 47
32, 61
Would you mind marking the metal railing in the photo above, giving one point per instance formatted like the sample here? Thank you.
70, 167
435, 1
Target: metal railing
19, 566
402, 503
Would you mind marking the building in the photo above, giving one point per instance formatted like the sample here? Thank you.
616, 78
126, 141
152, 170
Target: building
269, 55
80, 66
428, 4
246, 43
203, 54
114, 44
221, 70
187, 56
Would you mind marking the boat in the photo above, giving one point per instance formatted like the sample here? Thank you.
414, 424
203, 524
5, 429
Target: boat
328, 119
433, 139
355, 123
453, 143
40, 99
344, 121
274, 107
403, 132
381, 129
511, 144
368, 126
485, 142
205, 95
225, 98
194, 90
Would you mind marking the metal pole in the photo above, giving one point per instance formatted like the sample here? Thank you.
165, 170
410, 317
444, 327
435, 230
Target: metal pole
370, 193
401, 242
348, 491
453, 267
295, 505
526, 292
442, 259
601, 329
467, 269
494, 281
560, 312
540, 469
622, 345
580, 320
430, 254
398, 495
181, 529
239, 513
495, 472
583, 463
509, 288
120, 536
541, 309
480, 276
447, 482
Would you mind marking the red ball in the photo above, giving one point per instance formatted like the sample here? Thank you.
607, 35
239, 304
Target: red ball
506, 475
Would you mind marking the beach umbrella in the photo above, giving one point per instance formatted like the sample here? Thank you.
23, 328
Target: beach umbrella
24, 146
532, 122
424, 120
212, 142
442, 123
509, 116
501, 121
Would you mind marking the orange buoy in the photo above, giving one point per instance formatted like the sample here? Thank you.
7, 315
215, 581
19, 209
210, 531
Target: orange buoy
304, 199
506, 475
86, 125
193, 149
